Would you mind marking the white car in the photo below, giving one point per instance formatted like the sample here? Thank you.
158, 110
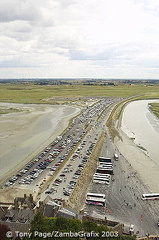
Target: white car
131, 229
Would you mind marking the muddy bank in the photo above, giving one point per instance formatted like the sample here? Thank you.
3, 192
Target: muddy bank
147, 168
23, 134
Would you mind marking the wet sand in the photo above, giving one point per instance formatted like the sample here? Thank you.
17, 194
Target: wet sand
147, 168
24, 134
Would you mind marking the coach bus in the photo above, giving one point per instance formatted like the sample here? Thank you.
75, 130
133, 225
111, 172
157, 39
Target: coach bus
105, 164
96, 195
104, 159
104, 170
102, 175
98, 201
150, 196
101, 181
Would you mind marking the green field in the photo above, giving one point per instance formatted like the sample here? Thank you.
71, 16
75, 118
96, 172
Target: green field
29, 93
154, 107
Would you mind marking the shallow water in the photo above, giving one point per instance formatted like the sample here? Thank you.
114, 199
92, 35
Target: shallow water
24, 134
143, 126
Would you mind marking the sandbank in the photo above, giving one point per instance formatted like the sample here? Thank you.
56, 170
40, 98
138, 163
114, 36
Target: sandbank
24, 134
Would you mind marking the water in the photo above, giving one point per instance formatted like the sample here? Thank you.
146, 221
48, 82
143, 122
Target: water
143, 126
24, 134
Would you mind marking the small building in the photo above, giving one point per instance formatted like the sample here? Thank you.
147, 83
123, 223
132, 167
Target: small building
51, 209
68, 213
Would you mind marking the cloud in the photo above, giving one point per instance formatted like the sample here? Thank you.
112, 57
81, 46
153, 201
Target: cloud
13, 10
80, 37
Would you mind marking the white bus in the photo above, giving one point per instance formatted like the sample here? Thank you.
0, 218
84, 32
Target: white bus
101, 180
150, 196
101, 175
96, 195
104, 170
104, 159
105, 164
95, 201
98, 181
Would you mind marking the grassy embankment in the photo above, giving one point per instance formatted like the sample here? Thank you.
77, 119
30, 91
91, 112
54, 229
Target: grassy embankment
9, 110
29, 93
77, 198
154, 107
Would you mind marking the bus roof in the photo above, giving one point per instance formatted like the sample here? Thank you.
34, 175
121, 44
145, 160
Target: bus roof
96, 194
94, 199
150, 194
101, 179
102, 174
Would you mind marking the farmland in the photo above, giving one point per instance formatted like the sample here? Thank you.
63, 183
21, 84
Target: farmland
30, 93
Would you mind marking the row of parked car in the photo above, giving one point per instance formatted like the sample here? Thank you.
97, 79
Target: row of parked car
67, 191
31, 175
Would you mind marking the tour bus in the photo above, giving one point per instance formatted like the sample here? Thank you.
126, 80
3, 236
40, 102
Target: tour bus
104, 170
116, 156
105, 176
98, 195
150, 196
101, 175
104, 159
101, 180
96, 201
105, 164
98, 181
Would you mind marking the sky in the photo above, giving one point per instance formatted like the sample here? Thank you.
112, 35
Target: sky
79, 39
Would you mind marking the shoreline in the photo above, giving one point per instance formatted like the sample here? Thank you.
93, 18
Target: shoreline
59, 124
140, 161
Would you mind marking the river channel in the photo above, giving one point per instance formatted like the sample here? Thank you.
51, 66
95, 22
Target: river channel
140, 124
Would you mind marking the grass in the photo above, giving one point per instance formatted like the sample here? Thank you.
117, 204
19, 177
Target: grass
9, 110
29, 93
154, 107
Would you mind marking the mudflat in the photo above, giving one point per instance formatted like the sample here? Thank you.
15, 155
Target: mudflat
146, 166
24, 133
